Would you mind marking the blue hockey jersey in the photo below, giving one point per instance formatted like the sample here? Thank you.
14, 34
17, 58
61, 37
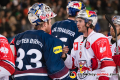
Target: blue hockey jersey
66, 31
38, 55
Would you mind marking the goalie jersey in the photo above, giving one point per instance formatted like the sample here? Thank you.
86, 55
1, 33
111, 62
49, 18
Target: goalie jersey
38, 55
66, 31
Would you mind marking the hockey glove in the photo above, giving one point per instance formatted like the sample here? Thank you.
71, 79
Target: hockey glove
94, 63
116, 59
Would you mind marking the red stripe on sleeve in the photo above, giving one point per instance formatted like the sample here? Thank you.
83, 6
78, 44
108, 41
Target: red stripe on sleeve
107, 63
7, 67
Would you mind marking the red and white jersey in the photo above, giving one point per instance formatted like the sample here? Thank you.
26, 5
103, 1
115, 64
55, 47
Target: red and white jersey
97, 45
7, 65
113, 49
113, 46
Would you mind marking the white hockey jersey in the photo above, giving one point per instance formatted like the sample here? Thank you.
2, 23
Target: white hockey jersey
113, 49
113, 46
97, 45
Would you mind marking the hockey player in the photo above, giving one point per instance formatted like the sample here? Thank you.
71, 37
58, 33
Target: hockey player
91, 52
112, 41
7, 64
67, 30
38, 54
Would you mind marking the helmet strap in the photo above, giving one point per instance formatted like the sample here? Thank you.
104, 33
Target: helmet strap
87, 32
117, 35
90, 26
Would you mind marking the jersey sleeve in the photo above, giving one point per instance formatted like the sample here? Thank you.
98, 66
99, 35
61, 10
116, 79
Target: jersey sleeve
70, 60
55, 64
103, 53
6, 56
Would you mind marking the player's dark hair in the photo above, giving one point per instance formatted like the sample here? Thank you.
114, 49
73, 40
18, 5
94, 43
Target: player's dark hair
70, 16
40, 25
92, 27
73, 16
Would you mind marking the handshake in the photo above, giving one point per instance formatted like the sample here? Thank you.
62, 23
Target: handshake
65, 51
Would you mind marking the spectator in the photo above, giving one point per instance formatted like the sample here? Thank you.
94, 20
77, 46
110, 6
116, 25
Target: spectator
87, 5
24, 25
59, 4
8, 15
115, 4
109, 10
2, 14
18, 25
5, 27
98, 7
59, 17
12, 22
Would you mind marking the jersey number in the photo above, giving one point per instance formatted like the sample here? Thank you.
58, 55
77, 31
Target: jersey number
32, 60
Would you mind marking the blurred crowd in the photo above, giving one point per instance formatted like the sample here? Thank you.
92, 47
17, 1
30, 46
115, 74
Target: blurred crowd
13, 14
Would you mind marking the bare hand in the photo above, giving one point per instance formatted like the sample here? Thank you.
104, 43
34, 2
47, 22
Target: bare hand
65, 50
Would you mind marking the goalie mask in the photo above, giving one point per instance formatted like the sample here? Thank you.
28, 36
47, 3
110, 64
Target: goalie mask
39, 13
